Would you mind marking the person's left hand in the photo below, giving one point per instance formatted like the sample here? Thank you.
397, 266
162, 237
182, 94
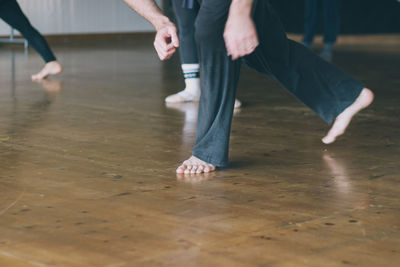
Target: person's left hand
240, 35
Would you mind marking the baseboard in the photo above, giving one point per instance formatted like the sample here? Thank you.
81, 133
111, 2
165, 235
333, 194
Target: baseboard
95, 37
367, 39
378, 39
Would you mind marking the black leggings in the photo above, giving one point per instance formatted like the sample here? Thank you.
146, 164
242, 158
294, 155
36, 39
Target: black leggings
185, 19
12, 14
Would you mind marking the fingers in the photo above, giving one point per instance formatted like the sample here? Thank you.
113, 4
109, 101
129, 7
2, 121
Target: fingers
174, 37
164, 52
239, 47
240, 35
166, 42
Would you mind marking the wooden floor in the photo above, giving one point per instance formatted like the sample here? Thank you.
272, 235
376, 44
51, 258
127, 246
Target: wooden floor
88, 159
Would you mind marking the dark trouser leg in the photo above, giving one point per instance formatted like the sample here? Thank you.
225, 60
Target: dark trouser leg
12, 14
310, 20
320, 85
219, 77
186, 19
331, 21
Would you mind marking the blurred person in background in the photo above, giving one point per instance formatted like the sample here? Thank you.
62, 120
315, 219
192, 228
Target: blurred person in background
12, 14
331, 19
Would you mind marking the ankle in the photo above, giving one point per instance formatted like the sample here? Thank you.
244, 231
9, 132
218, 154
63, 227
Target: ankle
192, 86
328, 46
191, 73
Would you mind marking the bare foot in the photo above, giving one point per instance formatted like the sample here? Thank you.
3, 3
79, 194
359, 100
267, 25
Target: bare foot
343, 119
183, 96
238, 104
187, 96
195, 165
51, 68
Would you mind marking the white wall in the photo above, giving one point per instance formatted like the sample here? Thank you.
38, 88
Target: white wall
80, 16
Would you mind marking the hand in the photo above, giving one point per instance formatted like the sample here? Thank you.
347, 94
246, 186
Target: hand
240, 35
166, 41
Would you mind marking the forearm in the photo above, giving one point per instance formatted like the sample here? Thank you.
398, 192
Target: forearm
149, 10
241, 7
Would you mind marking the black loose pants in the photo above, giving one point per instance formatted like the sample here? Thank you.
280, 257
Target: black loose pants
321, 86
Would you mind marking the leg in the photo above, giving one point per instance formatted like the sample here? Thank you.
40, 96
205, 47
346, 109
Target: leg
51, 68
331, 21
12, 14
188, 54
310, 21
185, 21
326, 89
219, 77
331, 27
343, 120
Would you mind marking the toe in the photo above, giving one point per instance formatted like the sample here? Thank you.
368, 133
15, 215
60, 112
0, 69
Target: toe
200, 169
181, 169
187, 170
238, 104
210, 168
194, 169
206, 169
328, 140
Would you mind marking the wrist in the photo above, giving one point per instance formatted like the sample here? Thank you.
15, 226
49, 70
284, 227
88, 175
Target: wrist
241, 7
161, 22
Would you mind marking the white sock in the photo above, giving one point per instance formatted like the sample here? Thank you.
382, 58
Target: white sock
191, 73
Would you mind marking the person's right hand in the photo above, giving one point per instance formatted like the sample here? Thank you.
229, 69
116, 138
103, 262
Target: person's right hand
240, 35
166, 41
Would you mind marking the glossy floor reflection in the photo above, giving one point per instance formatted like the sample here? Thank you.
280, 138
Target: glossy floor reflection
88, 160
